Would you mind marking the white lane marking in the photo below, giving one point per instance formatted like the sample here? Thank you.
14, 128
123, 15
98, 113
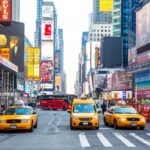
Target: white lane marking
83, 140
140, 139
148, 134
124, 140
103, 140
49, 124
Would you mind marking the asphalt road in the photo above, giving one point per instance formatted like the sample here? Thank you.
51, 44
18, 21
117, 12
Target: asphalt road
53, 133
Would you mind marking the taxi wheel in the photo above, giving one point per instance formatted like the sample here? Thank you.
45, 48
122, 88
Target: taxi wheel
35, 126
142, 128
115, 124
97, 128
31, 128
105, 122
71, 127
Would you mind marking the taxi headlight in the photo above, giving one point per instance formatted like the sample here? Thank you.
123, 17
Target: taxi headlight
25, 120
95, 118
142, 119
2, 121
75, 117
122, 119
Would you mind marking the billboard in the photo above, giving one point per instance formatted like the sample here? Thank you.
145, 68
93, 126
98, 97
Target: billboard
36, 65
109, 82
122, 80
143, 26
48, 86
4, 52
47, 30
99, 80
46, 71
33, 63
17, 51
132, 53
84, 38
47, 11
105, 5
143, 76
30, 73
5, 12
96, 56
143, 93
47, 50
57, 61
119, 95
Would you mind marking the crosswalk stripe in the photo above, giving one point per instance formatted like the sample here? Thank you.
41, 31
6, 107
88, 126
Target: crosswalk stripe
103, 140
140, 139
124, 140
83, 140
148, 134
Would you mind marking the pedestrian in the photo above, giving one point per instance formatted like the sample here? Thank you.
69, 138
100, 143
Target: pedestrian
104, 106
1, 110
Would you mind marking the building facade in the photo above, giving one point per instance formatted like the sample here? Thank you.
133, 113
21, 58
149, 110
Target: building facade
16, 10
98, 31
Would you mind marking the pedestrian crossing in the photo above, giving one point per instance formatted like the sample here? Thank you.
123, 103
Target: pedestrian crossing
129, 140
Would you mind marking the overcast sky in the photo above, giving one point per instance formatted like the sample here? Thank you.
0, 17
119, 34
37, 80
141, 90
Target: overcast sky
73, 17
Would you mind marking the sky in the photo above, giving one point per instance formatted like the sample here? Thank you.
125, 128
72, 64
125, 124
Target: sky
73, 17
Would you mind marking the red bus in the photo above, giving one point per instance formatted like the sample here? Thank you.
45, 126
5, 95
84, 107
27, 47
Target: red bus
55, 102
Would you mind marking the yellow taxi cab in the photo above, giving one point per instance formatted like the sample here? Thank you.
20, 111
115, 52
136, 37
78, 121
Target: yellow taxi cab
19, 117
123, 116
84, 114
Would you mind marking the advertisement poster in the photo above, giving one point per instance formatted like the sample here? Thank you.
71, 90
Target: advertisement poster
106, 5
46, 71
47, 11
143, 26
5, 52
36, 63
47, 50
47, 30
17, 51
122, 80
57, 61
30, 71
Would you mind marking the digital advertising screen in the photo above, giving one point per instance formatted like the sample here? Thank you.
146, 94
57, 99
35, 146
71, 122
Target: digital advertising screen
105, 5
5, 12
143, 26
47, 11
46, 71
57, 61
47, 50
47, 30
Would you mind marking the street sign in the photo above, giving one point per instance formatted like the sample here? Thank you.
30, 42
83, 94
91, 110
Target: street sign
123, 94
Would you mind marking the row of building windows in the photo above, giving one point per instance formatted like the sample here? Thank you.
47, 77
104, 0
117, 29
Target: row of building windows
106, 34
94, 30
99, 38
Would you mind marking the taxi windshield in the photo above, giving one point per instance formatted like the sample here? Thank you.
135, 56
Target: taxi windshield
84, 108
125, 111
18, 111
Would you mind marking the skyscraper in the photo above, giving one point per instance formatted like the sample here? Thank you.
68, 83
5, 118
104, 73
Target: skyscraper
16, 10
37, 34
121, 11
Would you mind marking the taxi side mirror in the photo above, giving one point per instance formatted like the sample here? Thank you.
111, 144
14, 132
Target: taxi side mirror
34, 113
69, 111
99, 111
